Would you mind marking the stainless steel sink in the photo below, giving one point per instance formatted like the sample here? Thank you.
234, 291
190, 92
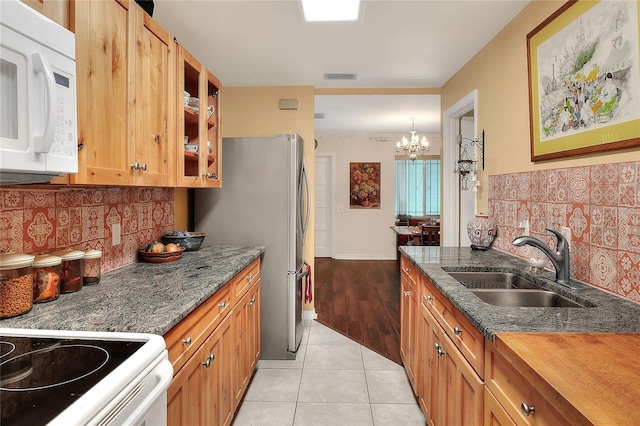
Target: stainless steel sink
493, 280
509, 289
524, 298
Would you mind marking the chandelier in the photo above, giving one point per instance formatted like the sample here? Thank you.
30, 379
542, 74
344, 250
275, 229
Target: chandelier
412, 146
465, 165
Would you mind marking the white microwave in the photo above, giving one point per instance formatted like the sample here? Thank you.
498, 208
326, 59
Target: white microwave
38, 121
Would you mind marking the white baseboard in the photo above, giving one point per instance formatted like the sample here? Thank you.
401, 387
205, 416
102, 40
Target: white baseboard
309, 315
365, 256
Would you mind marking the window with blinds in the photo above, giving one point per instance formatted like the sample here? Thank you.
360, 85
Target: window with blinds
417, 187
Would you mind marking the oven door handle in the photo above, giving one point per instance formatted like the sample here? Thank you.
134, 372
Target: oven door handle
165, 374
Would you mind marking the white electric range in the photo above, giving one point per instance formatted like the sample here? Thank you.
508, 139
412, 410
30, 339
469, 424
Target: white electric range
82, 378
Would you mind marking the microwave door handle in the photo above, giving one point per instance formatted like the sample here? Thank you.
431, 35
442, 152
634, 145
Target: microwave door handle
42, 143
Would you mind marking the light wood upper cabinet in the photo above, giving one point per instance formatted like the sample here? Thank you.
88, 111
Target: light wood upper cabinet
125, 83
198, 124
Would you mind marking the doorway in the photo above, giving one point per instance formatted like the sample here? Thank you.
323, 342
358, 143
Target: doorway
454, 219
323, 221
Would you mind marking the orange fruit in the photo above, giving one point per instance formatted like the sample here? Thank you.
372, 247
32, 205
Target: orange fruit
171, 247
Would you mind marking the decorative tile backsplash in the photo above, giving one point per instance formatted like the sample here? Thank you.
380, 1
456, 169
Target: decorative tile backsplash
43, 220
601, 205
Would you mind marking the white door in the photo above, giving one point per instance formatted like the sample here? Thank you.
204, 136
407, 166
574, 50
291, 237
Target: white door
323, 206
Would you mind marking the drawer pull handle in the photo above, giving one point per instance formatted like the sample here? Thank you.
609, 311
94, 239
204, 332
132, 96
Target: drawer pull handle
249, 277
187, 341
457, 331
251, 302
222, 305
207, 362
527, 409
406, 293
439, 349
429, 298
407, 270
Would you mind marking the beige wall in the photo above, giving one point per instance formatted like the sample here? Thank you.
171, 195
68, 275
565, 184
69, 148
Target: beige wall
499, 73
255, 111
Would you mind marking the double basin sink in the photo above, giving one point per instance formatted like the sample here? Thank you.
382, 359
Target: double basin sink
512, 290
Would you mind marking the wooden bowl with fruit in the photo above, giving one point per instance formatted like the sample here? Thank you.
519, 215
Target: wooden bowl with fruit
190, 241
157, 252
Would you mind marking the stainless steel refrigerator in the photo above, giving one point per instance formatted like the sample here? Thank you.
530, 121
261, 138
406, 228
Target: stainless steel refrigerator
264, 200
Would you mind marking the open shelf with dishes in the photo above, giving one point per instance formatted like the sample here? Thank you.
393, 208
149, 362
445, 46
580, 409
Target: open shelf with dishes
199, 129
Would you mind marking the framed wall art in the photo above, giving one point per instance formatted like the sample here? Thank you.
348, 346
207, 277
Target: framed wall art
584, 79
364, 185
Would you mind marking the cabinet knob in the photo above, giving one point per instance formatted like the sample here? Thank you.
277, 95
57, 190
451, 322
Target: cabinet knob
527, 409
457, 331
406, 270
208, 359
249, 277
135, 166
406, 293
252, 302
143, 167
222, 305
439, 349
187, 341
156, 138
429, 298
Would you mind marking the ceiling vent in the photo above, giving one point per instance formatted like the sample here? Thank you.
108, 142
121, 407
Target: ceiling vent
340, 76
319, 115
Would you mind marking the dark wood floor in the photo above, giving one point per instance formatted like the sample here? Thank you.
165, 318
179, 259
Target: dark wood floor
361, 299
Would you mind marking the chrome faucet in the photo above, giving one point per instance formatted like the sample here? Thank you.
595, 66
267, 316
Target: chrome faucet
560, 259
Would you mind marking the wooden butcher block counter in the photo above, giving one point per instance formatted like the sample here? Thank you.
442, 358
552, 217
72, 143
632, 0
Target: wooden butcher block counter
580, 378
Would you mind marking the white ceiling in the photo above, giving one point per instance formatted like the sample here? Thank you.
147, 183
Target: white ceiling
396, 44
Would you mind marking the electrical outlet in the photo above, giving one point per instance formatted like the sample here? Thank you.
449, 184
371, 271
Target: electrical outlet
566, 233
115, 234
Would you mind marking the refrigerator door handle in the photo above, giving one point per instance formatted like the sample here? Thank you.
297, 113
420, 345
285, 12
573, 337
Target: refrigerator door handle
304, 181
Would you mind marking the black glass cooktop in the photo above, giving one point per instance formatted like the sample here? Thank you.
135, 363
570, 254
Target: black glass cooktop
41, 377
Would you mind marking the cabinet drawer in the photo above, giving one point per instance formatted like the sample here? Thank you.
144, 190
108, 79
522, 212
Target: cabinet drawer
186, 336
468, 339
245, 280
411, 271
511, 389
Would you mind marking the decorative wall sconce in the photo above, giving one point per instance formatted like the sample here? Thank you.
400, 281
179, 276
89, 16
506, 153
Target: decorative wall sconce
465, 164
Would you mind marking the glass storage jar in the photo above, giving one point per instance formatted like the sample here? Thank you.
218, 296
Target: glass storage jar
92, 267
47, 271
16, 284
72, 270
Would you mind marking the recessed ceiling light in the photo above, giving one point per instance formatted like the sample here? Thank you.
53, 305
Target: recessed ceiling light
330, 10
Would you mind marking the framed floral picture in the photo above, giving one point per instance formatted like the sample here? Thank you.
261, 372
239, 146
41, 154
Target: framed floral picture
584, 79
364, 185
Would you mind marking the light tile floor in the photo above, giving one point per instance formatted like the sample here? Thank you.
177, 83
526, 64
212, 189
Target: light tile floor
333, 381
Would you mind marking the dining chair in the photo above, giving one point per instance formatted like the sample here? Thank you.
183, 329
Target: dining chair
430, 235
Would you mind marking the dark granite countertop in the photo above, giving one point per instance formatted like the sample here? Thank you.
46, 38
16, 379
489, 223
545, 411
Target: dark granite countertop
142, 297
611, 313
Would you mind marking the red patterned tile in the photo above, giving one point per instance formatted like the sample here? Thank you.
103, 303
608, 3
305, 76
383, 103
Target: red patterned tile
578, 185
12, 199
145, 194
580, 261
130, 218
629, 275
510, 213
39, 199
129, 249
578, 222
629, 190
39, 230
157, 213
556, 215
62, 237
75, 234
145, 216
539, 186
629, 229
113, 196
92, 222
603, 268
11, 230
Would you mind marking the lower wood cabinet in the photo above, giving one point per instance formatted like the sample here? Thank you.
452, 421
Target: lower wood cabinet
214, 351
449, 390
516, 396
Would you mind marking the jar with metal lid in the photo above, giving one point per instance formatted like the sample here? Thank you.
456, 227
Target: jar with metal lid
47, 271
92, 267
16, 284
72, 270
